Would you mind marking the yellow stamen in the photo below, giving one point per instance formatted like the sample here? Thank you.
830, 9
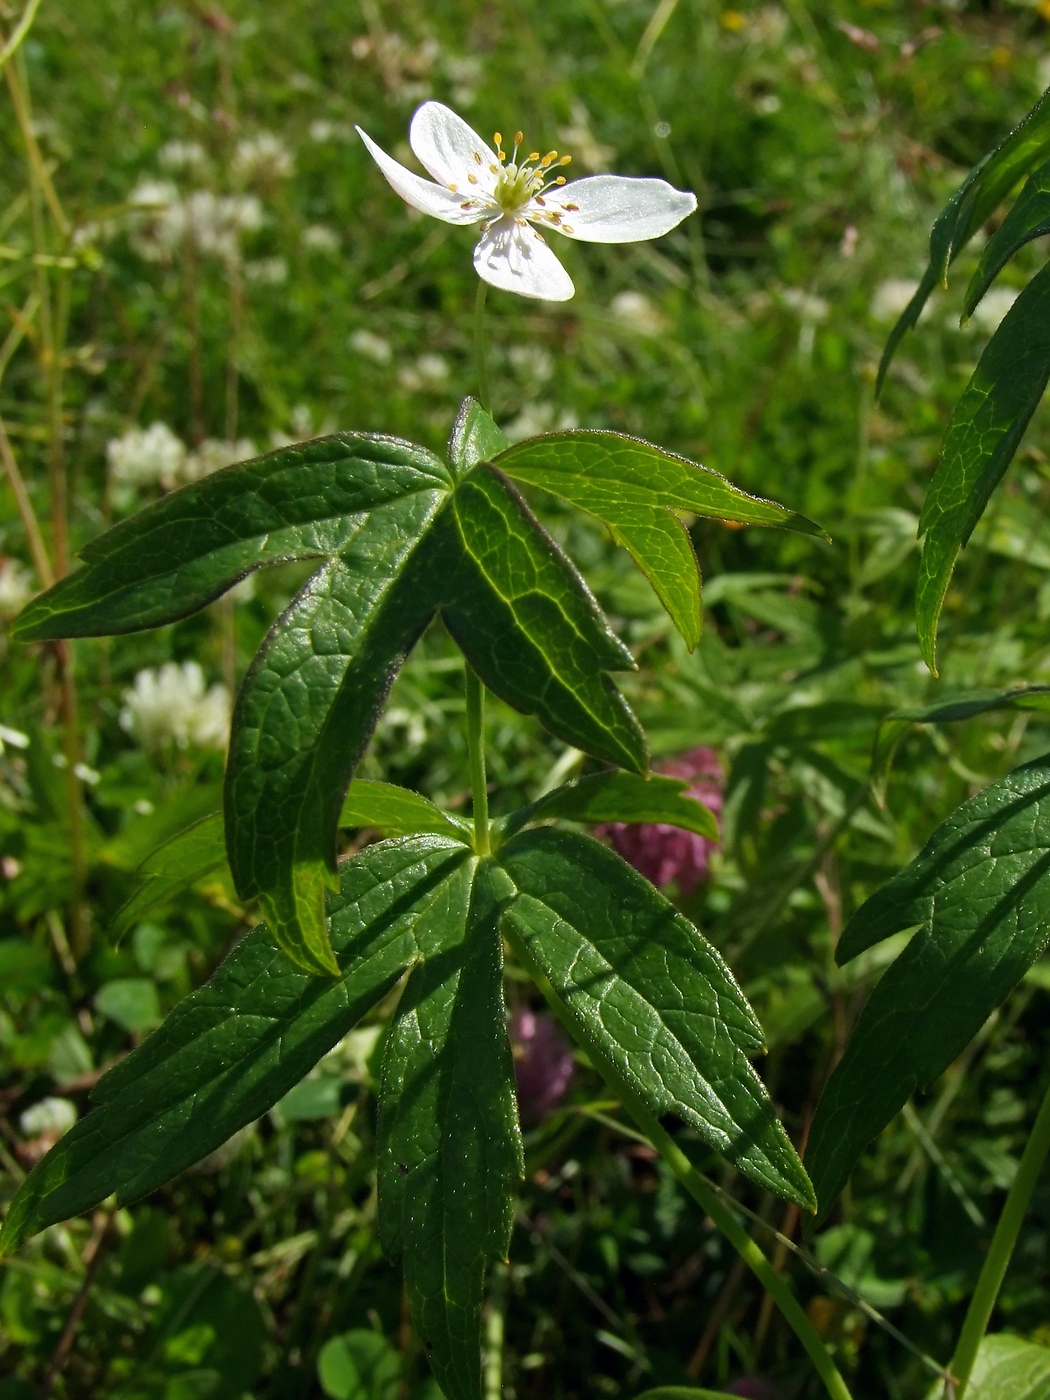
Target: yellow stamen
498, 139
477, 158
560, 180
535, 155
565, 160
472, 179
518, 139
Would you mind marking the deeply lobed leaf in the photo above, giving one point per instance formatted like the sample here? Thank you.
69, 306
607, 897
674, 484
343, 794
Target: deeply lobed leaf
980, 893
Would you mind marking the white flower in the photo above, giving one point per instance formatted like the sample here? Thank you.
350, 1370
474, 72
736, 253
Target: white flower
536, 418
183, 155
12, 738
263, 156
637, 313
266, 272
319, 238
477, 185
371, 346
171, 704
429, 371
16, 588
52, 1116
146, 457
214, 454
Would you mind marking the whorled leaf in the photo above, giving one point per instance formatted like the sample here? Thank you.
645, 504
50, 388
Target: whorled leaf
650, 1000
526, 621
617, 797
979, 891
230, 1050
397, 811
981, 440
178, 554
636, 489
306, 710
449, 1145
969, 208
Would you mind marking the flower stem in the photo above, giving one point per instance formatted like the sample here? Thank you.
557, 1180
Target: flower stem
1002, 1247
476, 749
484, 396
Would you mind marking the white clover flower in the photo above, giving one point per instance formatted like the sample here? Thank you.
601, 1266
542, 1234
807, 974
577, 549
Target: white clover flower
52, 1116
151, 456
319, 238
266, 272
214, 454
371, 346
12, 738
477, 185
16, 589
263, 156
183, 155
170, 704
536, 418
635, 311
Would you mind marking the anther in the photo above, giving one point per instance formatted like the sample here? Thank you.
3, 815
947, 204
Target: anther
571, 208
477, 158
560, 180
518, 139
498, 140
565, 160
566, 228
535, 155
472, 179
453, 189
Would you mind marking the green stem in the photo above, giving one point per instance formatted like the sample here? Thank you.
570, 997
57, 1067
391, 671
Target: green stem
476, 748
777, 1287
479, 347
1002, 1247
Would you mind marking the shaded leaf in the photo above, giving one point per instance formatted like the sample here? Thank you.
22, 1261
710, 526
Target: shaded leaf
397, 811
619, 797
980, 893
982, 437
170, 559
173, 867
972, 204
683, 1392
1029, 218
230, 1050
449, 1145
649, 999
893, 727
305, 712
359, 1365
526, 620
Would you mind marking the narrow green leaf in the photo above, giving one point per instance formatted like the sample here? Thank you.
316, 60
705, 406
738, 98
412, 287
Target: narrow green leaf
972, 204
526, 620
980, 893
1029, 218
165, 563
397, 811
893, 727
981, 440
659, 544
683, 1392
306, 709
450, 1148
618, 797
648, 997
228, 1052
609, 474
1008, 1368
173, 867
475, 438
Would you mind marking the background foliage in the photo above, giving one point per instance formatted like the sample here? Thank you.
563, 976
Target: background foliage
820, 142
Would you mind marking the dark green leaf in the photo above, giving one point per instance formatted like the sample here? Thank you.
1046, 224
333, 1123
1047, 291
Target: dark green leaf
526, 620
619, 797
1029, 218
683, 1392
173, 557
980, 892
981, 440
449, 1144
972, 204
228, 1052
397, 811
635, 488
306, 709
475, 438
172, 868
359, 1365
649, 999
1008, 1368
896, 724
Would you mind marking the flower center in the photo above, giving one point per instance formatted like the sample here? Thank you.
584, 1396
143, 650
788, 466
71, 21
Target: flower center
518, 183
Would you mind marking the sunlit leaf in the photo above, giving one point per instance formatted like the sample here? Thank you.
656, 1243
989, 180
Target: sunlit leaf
620, 797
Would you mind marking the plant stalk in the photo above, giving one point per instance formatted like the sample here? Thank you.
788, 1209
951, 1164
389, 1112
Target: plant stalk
484, 397
1001, 1249
476, 749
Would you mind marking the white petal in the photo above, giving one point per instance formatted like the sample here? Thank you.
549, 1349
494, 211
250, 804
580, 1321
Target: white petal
422, 194
617, 209
449, 149
513, 256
